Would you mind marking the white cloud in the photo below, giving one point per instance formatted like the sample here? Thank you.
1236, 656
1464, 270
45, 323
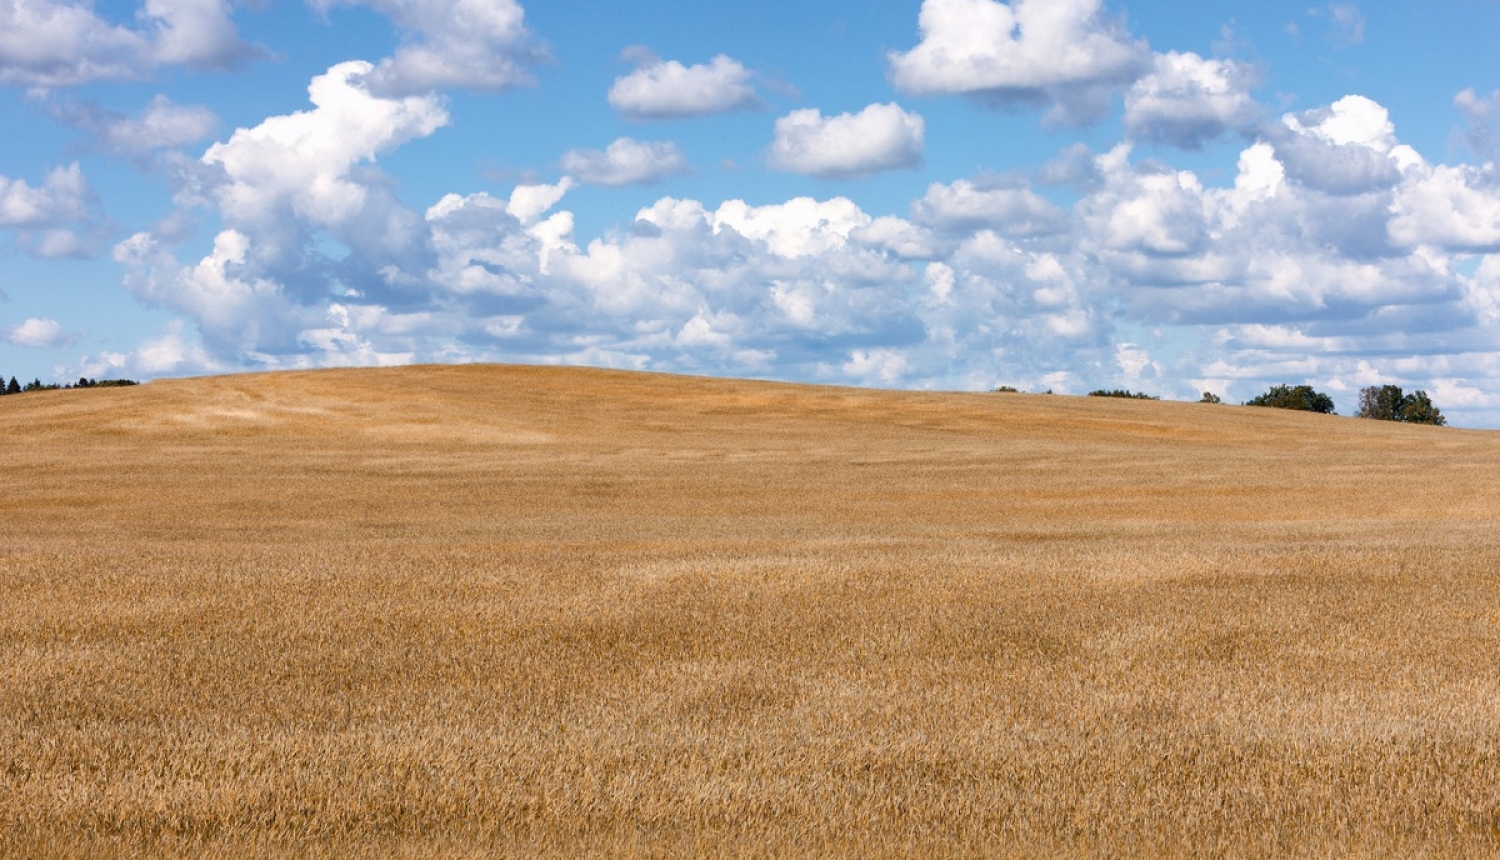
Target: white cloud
473, 44
626, 162
61, 244
40, 333
1062, 52
877, 366
237, 311
529, 202
880, 137
800, 227
1347, 21
63, 197
1188, 100
1352, 120
1349, 147
1152, 212
304, 161
162, 125
1454, 207
49, 218
50, 44
175, 352
965, 206
666, 89
195, 33
1482, 113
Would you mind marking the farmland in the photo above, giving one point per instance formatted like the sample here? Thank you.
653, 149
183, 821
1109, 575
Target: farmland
516, 611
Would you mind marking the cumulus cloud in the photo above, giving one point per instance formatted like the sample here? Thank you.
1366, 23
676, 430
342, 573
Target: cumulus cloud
1187, 100
1348, 147
626, 162
54, 220
64, 196
311, 170
39, 333
473, 44
880, 137
237, 310
50, 44
1454, 207
1066, 53
174, 352
195, 33
1012, 210
162, 125
666, 89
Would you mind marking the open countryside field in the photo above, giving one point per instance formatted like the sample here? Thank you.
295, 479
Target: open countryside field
503, 611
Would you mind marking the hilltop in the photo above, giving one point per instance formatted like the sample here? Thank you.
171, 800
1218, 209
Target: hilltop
455, 609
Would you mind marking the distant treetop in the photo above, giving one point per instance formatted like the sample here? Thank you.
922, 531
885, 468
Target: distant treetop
1121, 392
15, 387
1301, 397
1390, 403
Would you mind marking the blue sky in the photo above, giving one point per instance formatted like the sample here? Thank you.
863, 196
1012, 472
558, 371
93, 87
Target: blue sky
952, 194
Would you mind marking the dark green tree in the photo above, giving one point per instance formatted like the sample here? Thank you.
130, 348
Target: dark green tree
1300, 397
1417, 408
1381, 402
1390, 403
1210, 397
14, 387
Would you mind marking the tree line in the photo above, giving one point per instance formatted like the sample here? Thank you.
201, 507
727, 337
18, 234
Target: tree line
15, 387
1379, 402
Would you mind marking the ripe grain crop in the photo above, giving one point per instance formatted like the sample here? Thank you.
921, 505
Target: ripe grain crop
500, 611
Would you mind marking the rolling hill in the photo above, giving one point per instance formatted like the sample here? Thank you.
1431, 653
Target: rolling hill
521, 611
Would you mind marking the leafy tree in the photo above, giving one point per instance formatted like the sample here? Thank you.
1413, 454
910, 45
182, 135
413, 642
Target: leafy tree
1381, 402
1007, 389
1417, 408
1210, 397
1300, 397
14, 387
1390, 403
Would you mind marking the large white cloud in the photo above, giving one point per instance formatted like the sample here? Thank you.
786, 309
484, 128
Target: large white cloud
1454, 207
1063, 52
1187, 100
667, 89
309, 170
50, 44
880, 137
626, 162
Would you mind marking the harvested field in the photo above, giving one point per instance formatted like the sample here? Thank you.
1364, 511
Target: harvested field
503, 611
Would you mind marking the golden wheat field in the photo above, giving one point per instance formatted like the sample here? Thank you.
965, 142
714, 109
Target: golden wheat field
501, 611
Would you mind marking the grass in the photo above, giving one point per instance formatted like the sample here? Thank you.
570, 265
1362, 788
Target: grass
479, 611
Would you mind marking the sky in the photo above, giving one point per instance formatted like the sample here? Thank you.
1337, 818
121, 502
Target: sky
1056, 195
